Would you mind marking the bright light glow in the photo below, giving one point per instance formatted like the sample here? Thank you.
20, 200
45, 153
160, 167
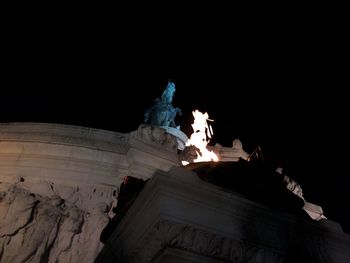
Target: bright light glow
201, 130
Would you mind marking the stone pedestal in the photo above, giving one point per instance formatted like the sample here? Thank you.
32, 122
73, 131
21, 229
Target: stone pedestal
150, 149
180, 218
181, 138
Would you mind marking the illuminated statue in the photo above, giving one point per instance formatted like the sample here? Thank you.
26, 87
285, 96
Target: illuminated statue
168, 93
162, 112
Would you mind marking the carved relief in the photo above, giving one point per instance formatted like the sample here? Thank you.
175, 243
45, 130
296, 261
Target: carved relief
169, 234
157, 137
48, 228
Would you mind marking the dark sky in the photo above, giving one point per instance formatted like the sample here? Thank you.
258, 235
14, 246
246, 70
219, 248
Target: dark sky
280, 86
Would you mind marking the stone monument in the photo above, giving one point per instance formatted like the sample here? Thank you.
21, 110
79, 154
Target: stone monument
60, 188
162, 114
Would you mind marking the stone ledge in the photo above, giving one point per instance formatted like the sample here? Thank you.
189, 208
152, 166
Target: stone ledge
64, 134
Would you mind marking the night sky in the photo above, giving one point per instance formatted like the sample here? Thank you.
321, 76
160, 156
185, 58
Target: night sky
280, 87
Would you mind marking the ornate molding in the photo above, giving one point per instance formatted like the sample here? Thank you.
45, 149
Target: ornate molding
156, 137
60, 134
167, 234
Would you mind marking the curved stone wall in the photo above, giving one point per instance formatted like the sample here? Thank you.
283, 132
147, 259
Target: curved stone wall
58, 184
61, 153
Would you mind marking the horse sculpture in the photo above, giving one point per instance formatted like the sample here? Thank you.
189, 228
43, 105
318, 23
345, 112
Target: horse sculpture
162, 112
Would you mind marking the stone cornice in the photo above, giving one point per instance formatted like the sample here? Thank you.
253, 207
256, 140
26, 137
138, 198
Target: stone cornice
65, 135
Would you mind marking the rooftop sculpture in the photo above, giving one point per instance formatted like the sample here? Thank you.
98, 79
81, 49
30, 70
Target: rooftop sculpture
162, 113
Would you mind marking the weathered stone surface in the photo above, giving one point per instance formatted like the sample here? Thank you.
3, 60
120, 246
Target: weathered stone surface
47, 228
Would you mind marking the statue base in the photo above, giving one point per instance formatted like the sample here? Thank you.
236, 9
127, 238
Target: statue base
181, 138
